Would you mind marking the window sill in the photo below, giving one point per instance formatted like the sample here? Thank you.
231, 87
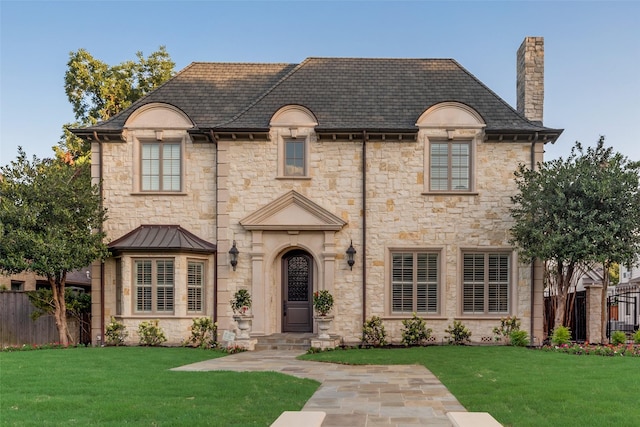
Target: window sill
158, 193
450, 193
300, 178
491, 316
433, 316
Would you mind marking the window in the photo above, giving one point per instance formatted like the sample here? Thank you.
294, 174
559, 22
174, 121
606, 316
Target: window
485, 283
414, 282
161, 166
450, 168
154, 286
294, 158
195, 286
17, 285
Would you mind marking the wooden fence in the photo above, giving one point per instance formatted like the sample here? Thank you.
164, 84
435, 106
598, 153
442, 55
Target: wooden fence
17, 327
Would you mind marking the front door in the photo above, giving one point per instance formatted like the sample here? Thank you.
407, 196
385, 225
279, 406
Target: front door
297, 297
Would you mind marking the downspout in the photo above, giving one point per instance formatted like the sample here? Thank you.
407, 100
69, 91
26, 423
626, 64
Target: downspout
533, 260
364, 226
100, 187
215, 255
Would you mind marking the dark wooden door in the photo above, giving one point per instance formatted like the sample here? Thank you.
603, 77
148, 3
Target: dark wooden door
297, 285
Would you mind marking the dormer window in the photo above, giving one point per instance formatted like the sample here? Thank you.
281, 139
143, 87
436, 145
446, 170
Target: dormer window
161, 166
292, 126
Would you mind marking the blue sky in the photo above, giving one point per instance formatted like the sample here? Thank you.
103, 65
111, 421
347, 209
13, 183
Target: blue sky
592, 51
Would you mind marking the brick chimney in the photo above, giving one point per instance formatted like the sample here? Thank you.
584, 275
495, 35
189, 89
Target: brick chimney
530, 79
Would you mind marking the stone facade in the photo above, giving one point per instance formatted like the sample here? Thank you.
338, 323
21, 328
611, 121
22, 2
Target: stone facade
372, 190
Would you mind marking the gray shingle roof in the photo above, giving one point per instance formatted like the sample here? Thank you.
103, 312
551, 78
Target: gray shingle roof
343, 93
161, 237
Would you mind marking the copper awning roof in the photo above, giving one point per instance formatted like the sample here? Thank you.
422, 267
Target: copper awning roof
165, 238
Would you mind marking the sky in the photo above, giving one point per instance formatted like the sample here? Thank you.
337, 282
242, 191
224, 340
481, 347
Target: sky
592, 52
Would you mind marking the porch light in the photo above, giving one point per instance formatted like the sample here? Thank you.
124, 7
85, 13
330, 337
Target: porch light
233, 255
351, 253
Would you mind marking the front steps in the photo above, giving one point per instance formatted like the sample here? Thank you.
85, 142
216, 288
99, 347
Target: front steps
285, 341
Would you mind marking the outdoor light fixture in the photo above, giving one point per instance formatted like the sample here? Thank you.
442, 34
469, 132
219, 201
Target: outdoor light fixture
233, 255
351, 252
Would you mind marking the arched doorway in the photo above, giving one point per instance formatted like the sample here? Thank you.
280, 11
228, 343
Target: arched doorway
297, 291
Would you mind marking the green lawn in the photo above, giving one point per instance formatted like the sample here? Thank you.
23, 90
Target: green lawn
522, 387
133, 386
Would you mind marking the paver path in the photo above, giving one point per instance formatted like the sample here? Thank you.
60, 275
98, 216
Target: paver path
370, 395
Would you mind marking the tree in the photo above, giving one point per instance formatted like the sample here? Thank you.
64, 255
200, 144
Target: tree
49, 214
98, 91
576, 212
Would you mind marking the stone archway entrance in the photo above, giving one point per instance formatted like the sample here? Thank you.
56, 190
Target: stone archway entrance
297, 291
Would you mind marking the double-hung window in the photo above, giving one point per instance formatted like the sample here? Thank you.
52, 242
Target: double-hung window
414, 282
450, 166
161, 166
154, 286
294, 157
485, 283
195, 286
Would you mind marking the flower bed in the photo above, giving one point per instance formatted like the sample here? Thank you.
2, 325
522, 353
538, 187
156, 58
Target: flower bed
596, 349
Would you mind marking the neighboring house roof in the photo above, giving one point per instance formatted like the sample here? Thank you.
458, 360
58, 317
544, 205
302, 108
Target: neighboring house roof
343, 94
161, 237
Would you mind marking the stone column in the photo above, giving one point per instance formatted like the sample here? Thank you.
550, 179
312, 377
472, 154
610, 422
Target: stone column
530, 78
594, 312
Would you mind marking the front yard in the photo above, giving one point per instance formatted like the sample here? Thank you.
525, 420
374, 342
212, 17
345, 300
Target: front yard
522, 387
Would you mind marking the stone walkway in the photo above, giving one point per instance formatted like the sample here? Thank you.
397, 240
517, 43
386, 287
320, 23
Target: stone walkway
367, 396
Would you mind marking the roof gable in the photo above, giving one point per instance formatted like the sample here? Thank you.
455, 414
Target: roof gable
292, 212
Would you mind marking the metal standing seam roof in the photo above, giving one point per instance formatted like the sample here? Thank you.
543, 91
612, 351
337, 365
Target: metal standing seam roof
343, 93
161, 237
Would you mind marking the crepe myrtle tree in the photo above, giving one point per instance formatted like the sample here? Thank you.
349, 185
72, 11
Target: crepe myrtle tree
574, 213
50, 214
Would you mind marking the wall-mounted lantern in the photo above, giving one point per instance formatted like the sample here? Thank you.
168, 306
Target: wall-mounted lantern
351, 253
233, 255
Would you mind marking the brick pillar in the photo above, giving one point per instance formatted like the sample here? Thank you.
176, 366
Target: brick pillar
594, 311
530, 78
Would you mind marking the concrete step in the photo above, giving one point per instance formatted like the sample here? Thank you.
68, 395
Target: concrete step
286, 341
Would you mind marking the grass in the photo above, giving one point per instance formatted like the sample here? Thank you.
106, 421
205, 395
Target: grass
522, 387
134, 386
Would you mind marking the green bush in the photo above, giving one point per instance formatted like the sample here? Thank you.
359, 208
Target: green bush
458, 333
618, 337
373, 332
561, 335
507, 325
151, 333
414, 331
636, 337
204, 333
519, 338
115, 333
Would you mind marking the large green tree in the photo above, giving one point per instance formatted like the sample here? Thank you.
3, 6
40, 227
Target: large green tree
49, 217
574, 213
98, 91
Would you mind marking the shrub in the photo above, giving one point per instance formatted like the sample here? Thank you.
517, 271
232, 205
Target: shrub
507, 325
414, 331
636, 337
204, 333
458, 333
373, 332
115, 333
519, 338
618, 337
561, 335
322, 302
241, 301
151, 333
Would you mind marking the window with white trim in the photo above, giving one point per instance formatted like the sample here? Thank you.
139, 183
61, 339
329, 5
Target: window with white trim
160, 166
294, 157
414, 282
450, 166
154, 285
195, 286
486, 282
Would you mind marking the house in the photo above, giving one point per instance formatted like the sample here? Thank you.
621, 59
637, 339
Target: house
408, 161
624, 300
78, 280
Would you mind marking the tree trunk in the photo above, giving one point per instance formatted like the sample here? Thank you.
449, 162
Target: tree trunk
57, 284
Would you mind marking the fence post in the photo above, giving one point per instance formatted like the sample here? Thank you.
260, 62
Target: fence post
594, 312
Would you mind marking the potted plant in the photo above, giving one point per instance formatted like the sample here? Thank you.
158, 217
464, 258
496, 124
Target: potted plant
241, 301
322, 304
240, 304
